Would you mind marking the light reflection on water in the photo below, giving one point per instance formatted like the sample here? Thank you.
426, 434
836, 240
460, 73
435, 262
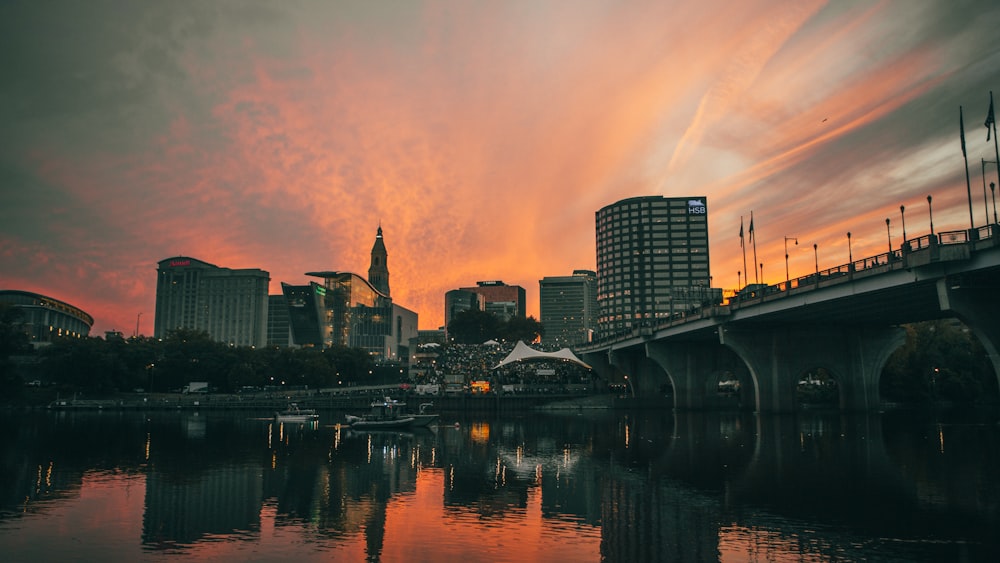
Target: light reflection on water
603, 487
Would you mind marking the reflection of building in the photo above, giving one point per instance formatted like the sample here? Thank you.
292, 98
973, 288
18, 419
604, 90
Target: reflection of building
216, 501
345, 309
504, 301
568, 307
652, 260
45, 318
230, 305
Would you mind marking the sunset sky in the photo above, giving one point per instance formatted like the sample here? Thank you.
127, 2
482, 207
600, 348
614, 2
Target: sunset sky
481, 135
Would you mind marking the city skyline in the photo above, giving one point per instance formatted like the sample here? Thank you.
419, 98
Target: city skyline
481, 137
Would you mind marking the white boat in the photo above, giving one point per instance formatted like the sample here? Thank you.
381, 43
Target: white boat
295, 414
384, 414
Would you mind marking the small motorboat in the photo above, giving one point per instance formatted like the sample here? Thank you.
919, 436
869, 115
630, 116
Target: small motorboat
383, 414
295, 414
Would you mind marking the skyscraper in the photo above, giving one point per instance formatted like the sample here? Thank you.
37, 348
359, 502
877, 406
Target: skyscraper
568, 307
230, 305
652, 260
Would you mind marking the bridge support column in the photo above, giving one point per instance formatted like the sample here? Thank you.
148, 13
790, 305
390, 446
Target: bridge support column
978, 308
690, 367
644, 377
778, 357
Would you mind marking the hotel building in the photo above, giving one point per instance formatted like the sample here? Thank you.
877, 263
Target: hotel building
504, 301
230, 305
652, 260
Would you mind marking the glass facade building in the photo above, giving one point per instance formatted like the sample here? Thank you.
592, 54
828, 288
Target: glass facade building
652, 260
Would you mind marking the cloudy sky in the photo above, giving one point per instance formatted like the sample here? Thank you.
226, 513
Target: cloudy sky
481, 135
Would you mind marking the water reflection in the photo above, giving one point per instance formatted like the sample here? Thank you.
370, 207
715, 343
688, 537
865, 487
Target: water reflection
609, 486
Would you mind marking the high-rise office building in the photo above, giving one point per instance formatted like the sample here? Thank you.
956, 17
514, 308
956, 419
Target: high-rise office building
279, 331
652, 260
230, 305
568, 307
505, 301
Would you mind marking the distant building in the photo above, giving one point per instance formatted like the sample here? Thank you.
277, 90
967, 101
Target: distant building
230, 305
279, 331
45, 319
568, 308
458, 301
505, 301
652, 260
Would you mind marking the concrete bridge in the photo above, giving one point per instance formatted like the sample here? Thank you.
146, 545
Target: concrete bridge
844, 319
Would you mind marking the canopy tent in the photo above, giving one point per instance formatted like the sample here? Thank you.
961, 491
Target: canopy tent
524, 352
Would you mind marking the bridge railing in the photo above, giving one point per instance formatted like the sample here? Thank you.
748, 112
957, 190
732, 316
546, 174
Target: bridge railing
872, 265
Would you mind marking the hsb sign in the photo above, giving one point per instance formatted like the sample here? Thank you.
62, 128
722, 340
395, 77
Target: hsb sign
696, 207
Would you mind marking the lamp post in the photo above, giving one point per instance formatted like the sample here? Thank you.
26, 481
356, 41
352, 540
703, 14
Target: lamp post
850, 253
902, 215
888, 234
930, 212
986, 205
993, 191
786, 257
136, 334
762, 274
816, 257
630, 388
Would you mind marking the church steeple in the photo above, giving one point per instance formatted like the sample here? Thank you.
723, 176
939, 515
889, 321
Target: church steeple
378, 271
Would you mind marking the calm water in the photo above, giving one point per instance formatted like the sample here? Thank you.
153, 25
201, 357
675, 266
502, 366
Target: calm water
605, 486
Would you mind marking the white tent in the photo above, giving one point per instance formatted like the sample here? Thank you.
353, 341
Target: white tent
524, 352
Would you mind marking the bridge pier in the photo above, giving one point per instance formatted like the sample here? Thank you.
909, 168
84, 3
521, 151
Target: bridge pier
975, 304
777, 357
691, 367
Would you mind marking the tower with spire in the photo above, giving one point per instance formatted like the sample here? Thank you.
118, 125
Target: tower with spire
378, 271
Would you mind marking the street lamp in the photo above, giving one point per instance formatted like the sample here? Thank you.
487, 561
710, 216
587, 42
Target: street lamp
993, 188
888, 234
902, 215
816, 256
850, 253
786, 256
930, 212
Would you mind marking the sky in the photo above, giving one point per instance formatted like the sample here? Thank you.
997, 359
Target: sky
481, 135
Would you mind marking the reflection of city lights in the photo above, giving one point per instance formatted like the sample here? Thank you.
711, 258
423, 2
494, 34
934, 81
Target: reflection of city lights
451, 478
480, 432
538, 474
48, 476
941, 438
369, 449
520, 454
274, 459
626, 435
147, 446
566, 457
433, 456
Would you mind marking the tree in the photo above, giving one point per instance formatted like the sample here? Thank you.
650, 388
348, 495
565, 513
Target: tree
521, 328
473, 327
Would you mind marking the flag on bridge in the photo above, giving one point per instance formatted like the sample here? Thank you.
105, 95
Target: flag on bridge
961, 128
751, 226
741, 231
990, 119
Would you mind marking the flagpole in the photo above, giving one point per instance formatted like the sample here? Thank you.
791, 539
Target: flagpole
743, 246
965, 156
753, 239
992, 120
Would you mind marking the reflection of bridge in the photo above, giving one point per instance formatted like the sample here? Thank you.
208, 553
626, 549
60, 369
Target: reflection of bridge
844, 319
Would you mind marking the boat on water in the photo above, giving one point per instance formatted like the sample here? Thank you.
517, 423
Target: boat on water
295, 414
384, 414
424, 418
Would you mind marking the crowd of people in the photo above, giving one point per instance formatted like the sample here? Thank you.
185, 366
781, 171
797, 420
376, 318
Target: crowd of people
481, 362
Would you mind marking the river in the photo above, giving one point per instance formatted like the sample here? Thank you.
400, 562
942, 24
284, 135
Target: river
587, 485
